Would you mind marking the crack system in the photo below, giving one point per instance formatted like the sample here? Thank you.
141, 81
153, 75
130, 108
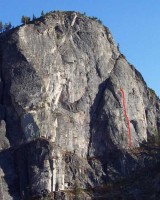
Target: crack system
127, 118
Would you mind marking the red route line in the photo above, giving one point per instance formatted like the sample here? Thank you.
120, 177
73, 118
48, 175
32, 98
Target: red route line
127, 118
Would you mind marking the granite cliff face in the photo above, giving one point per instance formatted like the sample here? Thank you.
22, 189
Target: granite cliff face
65, 124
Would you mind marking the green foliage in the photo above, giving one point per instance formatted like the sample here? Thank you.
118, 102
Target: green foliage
77, 191
157, 138
42, 13
107, 30
25, 19
96, 19
152, 92
99, 21
5, 27
122, 56
154, 139
33, 17
118, 47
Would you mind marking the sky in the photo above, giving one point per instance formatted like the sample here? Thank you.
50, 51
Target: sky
135, 26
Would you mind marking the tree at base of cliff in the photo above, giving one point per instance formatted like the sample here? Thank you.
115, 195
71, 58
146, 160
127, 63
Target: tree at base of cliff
157, 139
77, 191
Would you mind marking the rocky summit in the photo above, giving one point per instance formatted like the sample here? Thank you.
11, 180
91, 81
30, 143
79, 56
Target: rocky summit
77, 120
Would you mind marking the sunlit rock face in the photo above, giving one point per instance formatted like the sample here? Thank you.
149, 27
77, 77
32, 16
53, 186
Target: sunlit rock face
63, 123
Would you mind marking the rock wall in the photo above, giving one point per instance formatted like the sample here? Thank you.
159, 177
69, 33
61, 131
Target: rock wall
63, 124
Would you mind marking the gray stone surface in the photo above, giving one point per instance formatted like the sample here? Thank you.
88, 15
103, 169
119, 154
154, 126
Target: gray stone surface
63, 129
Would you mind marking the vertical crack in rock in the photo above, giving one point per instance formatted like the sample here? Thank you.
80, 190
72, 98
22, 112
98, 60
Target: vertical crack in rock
127, 118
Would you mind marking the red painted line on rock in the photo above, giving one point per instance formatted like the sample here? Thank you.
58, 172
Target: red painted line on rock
127, 118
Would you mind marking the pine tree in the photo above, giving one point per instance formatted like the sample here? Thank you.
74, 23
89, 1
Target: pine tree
28, 20
10, 26
42, 13
25, 19
22, 19
34, 17
6, 27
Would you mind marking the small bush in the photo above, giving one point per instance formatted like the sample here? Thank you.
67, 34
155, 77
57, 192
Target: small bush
96, 19
77, 191
152, 92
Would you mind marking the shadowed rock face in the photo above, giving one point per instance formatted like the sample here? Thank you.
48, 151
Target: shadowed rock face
63, 124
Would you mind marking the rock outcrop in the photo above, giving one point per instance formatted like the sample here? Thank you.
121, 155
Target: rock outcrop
65, 124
